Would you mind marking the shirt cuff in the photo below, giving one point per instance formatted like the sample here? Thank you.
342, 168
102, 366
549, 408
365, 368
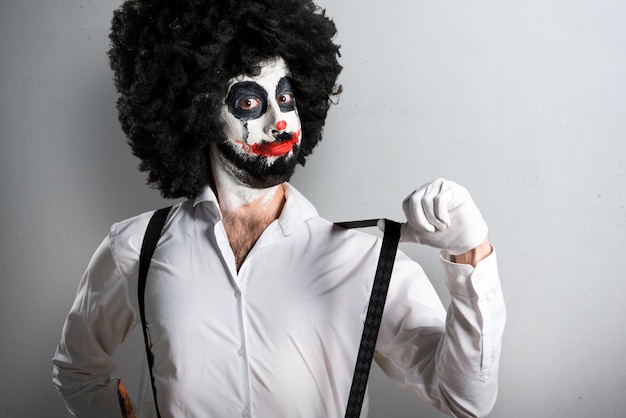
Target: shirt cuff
465, 280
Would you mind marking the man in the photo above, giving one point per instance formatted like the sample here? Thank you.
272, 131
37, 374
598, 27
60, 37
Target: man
254, 304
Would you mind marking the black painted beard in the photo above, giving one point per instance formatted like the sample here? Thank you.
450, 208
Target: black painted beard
254, 171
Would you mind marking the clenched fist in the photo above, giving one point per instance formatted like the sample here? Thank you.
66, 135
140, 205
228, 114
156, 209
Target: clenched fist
443, 215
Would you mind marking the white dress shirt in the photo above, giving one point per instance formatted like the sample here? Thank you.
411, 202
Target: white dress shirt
280, 337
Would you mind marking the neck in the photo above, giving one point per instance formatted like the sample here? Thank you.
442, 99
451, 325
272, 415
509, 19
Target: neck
235, 197
240, 200
246, 211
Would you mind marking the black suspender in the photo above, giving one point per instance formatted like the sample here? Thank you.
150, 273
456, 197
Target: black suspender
372, 320
150, 239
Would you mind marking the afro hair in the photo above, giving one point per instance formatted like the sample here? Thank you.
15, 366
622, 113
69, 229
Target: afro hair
172, 61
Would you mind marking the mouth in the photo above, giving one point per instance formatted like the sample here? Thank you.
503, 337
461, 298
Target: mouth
283, 144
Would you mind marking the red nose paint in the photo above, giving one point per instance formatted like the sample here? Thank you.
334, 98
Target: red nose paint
281, 125
271, 149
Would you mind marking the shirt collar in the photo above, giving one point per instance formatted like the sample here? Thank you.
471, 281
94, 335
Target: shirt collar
297, 208
206, 195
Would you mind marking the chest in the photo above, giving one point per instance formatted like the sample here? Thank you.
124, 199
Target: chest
283, 284
243, 232
278, 325
289, 320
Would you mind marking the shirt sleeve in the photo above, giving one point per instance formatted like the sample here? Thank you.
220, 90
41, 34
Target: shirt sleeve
448, 359
99, 320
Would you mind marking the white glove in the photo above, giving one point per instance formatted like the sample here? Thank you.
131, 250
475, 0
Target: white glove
443, 215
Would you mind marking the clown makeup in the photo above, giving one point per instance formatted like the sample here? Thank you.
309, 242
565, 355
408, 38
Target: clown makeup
262, 127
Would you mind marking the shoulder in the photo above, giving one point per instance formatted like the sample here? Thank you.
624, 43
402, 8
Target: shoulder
126, 238
130, 232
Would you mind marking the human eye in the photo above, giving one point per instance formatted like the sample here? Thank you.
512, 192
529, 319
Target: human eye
247, 100
249, 103
286, 102
285, 98
284, 95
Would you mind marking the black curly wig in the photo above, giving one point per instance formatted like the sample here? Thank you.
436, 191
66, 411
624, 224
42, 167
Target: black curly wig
172, 60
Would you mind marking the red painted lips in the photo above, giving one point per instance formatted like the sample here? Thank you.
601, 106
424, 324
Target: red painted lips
271, 149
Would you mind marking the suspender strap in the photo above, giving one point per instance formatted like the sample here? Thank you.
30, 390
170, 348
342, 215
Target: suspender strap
373, 318
150, 240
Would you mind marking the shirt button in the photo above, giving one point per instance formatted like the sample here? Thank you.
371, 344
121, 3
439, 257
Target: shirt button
238, 295
241, 352
245, 413
460, 280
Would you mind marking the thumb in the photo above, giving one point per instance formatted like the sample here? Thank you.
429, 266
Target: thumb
381, 225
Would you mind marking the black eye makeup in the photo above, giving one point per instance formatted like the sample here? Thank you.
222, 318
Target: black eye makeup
284, 95
247, 100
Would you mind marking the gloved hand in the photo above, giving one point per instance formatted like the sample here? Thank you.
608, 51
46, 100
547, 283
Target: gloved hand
443, 215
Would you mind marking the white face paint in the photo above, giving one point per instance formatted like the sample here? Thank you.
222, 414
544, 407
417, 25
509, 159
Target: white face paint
260, 112
263, 128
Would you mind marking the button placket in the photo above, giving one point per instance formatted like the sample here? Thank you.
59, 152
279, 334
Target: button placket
241, 350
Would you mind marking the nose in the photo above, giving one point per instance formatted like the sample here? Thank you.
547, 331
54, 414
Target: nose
281, 125
274, 120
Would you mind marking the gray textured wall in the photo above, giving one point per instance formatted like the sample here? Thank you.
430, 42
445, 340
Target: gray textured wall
522, 102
